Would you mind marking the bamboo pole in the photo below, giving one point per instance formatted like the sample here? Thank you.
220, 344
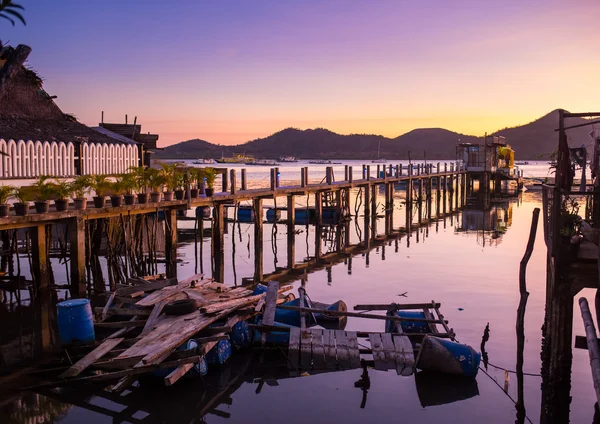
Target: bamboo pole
592, 342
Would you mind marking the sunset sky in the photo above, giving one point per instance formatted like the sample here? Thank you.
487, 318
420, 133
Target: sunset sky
231, 71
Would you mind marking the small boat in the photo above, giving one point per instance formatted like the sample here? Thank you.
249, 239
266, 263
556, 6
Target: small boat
235, 159
522, 163
320, 162
262, 162
379, 159
203, 161
287, 159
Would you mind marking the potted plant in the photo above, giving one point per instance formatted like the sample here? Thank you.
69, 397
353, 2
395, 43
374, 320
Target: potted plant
100, 185
129, 185
570, 234
168, 174
157, 181
42, 192
179, 185
210, 175
142, 176
117, 189
62, 190
194, 183
23, 195
79, 188
6, 192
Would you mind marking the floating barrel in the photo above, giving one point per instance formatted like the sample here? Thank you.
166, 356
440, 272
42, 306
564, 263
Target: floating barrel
245, 214
241, 335
278, 338
305, 216
409, 326
220, 353
273, 215
438, 389
330, 215
292, 318
200, 368
331, 321
442, 355
75, 321
203, 212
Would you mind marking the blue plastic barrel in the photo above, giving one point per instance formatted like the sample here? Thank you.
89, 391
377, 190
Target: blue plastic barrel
304, 216
273, 215
278, 338
443, 355
220, 353
75, 321
409, 326
241, 335
245, 214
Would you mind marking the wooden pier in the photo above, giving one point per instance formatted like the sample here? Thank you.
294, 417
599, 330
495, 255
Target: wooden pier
416, 181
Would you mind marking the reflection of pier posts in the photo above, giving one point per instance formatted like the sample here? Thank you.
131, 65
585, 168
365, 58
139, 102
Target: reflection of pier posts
171, 241
291, 229
409, 191
44, 304
373, 188
420, 201
367, 215
258, 241
77, 256
39, 247
389, 208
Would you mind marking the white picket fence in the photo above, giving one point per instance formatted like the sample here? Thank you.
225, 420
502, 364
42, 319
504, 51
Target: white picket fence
30, 159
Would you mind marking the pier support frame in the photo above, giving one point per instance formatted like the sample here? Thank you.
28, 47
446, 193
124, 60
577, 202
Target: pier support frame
291, 232
39, 251
77, 252
171, 242
258, 240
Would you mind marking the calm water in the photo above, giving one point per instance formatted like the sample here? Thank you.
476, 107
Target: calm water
468, 262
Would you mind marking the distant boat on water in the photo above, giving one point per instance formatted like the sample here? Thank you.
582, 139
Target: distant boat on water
320, 162
522, 163
287, 159
203, 161
235, 159
379, 160
261, 162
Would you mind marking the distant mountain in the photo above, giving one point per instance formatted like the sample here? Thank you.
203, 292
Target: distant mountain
530, 141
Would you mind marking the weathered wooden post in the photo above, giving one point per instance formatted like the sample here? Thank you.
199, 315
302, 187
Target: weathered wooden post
171, 240
273, 179
319, 207
224, 181
39, 251
368, 172
349, 178
329, 175
302, 178
367, 215
346, 173
233, 183
258, 241
373, 211
291, 232
244, 181
378, 175
77, 256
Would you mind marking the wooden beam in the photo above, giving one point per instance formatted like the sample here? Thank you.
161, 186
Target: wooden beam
258, 241
39, 251
76, 228
592, 342
106, 346
218, 242
171, 243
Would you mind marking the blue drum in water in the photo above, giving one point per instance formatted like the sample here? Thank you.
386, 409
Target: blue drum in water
75, 321
245, 214
241, 335
442, 355
409, 326
200, 368
220, 353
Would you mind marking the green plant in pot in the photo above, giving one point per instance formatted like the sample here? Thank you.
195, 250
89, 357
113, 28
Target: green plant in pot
24, 195
129, 185
210, 175
180, 183
157, 181
167, 173
142, 176
570, 233
62, 191
6, 192
194, 183
117, 189
101, 187
79, 188
42, 193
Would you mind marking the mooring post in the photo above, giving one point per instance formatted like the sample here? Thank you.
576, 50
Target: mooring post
349, 177
39, 251
171, 242
373, 211
302, 178
367, 215
224, 181
291, 232
319, 207
364, 172
233, 183
368, 172
328, 175
77, 256
346, 173
244, 183
258, 241
389, 208
457, 191
273, 179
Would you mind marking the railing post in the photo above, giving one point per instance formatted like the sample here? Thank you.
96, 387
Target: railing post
349, 178
232, 178
368, 172
171, 242
346, 173
277, 175
273, 182
244, 186
225, 183
328, 177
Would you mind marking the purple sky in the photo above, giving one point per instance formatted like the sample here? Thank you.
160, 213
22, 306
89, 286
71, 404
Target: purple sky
231, 71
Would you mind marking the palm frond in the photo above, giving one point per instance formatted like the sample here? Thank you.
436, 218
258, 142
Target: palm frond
16, 15
6, 17
7, 7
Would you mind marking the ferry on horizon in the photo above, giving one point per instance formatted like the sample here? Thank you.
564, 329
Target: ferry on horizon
288, 159
235, 159
203, 161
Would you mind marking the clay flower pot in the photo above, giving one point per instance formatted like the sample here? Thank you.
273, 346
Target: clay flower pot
167, 196
61, 205
21, 209
179, 194
194, 193
80, 203
4, 210
42, 207
129, 199
142, 198
99, 201
155, 197
209, 192
116, 201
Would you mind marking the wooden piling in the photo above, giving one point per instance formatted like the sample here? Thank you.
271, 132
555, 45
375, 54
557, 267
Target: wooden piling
244, 181
224, 181
273, 177
258, 241
373, 211
77, 256
233, 182
39, 251
346, 173
171, 242
291, 232
319, 207
368, 172
349, 178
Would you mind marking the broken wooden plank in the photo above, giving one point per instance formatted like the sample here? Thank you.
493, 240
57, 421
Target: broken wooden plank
353, 349
405, 355
105, 347
119, 324
146, 287
305, 349
125, 330
269, 314
294, 346
153, 318
181, 370
389, 350
107, 306
237, 303
329, 349
260, 305
122, 312
318, 350
378, 353
355, 314
342, 353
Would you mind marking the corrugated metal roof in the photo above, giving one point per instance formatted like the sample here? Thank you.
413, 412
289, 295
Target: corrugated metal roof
113, 135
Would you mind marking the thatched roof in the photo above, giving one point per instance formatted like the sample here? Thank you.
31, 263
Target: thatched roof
27, 112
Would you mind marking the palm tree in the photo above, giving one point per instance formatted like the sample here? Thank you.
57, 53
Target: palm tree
8, 11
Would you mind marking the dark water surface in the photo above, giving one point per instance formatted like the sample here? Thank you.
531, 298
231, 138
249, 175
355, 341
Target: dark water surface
471, 270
